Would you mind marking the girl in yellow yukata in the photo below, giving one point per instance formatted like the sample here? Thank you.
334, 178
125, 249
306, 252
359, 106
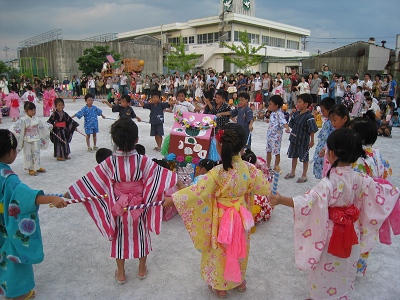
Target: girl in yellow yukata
217, 213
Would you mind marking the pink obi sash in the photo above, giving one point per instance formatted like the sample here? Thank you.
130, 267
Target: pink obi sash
31, 131
233, 223
343, 234
129, 194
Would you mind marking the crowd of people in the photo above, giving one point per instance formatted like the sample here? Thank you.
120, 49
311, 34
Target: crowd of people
221, 202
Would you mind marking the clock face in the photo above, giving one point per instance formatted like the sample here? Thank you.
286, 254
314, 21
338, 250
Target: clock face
227, 4
246, 4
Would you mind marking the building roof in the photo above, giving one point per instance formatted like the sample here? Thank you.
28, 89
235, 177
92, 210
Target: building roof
214, 20
348, 45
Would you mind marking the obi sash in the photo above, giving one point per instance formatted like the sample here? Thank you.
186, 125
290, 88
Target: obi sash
32, 131
235, 219
60, 124
343, 235
128, 194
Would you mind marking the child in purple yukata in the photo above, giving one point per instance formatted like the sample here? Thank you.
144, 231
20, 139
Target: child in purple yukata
91, 124
352, 205
301, 137
277, 122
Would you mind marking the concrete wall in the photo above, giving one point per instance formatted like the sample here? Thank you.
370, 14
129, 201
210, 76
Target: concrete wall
62, 54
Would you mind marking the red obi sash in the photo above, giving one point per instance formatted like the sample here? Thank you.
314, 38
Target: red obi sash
14, 103
60, 124
129, 194
343, 236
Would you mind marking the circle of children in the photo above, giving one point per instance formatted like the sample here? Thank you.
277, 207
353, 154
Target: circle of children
123, 193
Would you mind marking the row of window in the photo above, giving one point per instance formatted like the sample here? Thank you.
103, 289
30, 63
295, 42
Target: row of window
208, 38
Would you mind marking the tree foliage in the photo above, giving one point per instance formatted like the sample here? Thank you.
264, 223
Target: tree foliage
245, 55
93, 58
179, 60
3, 67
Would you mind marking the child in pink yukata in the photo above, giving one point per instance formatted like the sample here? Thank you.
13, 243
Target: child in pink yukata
13, 101
353, 206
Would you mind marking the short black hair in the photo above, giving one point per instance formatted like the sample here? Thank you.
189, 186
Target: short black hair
366, 128
29, 106
277, 100
328, 103
244, 95
124, 134
87, 96
102, 154
140, 149
207, 164
223, 94
161, 163
156, 93
181, 91
59, 100
126, 98
306, 98
249, 156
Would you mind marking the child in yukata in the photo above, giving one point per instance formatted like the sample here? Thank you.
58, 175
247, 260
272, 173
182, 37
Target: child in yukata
353, 207
277, 122
21, 240
123, 108
91, 124
205, 165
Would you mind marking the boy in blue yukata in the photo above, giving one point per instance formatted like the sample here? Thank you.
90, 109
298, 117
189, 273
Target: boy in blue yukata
156, 117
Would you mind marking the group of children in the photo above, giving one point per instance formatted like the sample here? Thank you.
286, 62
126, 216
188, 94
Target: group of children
221, 202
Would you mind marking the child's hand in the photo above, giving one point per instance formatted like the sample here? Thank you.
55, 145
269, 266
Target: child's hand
138, 119
311, 145
321, 153
58, 202
168, 202
103, 116
67, 195
104, 101
274, 199
251, 127
180, 185
287, 130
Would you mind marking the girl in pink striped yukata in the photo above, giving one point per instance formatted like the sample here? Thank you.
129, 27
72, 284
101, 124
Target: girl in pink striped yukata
128, 179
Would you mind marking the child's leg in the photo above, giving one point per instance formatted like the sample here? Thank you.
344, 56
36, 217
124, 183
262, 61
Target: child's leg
94, 140
159, 140
269, 158
88, 140
294, 165
142, 266
305, 168
120, 269
277, 160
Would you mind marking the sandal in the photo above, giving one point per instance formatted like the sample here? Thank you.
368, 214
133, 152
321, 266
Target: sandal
41, 170
289, 176
218, 293
60, 158
144, 276
95, 148
242, 287
68, 157
301, 180
89, 149
116, 278
30, 295
32, 173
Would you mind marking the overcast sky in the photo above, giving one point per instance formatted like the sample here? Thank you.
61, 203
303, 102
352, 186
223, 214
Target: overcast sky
332, 23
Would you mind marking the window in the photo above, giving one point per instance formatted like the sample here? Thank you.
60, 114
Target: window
265, 40
174, 40
191, 39
188, 40
253, 38
292, 44
277, 42
209, 38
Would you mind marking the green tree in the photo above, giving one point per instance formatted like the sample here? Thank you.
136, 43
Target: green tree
93, 58
244, 55
3, 67
179, 60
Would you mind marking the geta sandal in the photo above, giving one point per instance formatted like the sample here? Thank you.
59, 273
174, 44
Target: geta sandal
218, 293
61, 159
242, 287
32, 173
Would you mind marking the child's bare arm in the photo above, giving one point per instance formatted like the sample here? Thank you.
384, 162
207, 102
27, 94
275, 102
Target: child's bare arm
56, 201
106, 102
279, 199
287, 128
168, 202
311, 140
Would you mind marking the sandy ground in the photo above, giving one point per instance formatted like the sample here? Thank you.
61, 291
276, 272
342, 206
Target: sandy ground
77, 263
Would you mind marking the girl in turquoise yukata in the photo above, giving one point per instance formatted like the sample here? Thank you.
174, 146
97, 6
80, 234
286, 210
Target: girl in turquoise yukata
91, 124
20, 237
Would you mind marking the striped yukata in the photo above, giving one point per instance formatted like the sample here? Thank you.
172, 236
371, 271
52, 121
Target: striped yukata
302, 126
129, 238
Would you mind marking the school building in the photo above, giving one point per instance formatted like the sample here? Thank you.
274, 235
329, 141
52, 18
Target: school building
282, 42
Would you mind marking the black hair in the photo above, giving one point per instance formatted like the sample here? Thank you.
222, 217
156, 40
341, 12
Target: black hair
8, 142
341, 111
249, 156
233, 140
102, 154
161, 163
181, 91
366, 128
306, 98
370, 114
347, 146
223, 94
14, 88
127, 98
140, 149
59, 100
395, 113
207, 164
378, 75
29, 106
87, 96
367, 94
328, 103
124, 133
244, 95
277, 100
156, 93
208, 95
29, 88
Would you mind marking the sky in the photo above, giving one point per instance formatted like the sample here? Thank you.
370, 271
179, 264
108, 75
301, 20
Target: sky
332, 24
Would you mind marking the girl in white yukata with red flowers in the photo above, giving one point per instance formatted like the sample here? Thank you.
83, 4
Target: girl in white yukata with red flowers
353, 206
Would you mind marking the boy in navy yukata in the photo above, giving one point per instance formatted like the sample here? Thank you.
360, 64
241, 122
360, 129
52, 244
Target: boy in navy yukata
156, 117
301, 137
